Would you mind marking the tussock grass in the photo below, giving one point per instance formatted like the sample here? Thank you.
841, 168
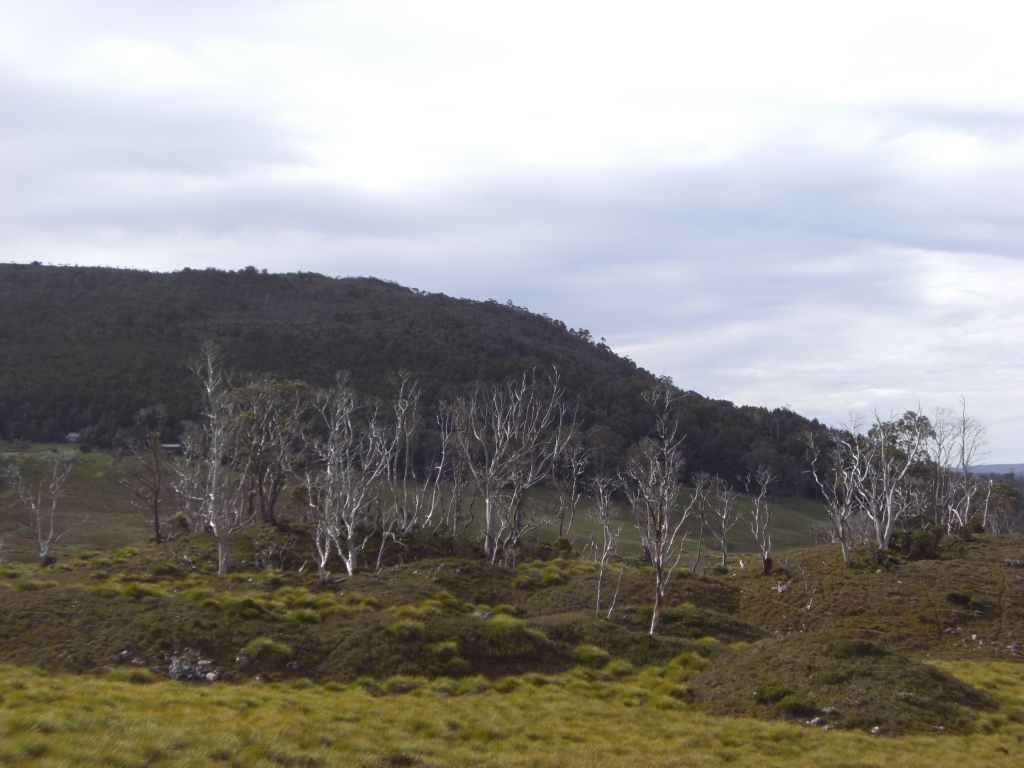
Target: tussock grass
79, 721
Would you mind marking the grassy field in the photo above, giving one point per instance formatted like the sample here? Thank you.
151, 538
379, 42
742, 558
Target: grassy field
81, 721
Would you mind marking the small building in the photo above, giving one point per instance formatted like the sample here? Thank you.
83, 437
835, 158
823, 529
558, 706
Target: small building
172, 448
72, 437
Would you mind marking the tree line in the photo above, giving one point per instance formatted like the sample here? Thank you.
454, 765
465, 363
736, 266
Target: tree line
909, 477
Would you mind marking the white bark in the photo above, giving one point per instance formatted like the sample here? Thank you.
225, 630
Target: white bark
653, 482
41, 506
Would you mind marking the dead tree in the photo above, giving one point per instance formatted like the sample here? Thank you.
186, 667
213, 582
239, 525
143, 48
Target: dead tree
653, 482
603, 513
722, 514
839, 466
210, 484
508, 435
893, 449
761, 515
270, 419
567, 477
144, 473
40, 503
349, 460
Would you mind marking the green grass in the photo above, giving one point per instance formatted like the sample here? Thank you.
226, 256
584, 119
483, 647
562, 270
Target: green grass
69, 720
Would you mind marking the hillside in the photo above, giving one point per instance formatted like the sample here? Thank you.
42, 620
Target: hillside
447, 624
81, 349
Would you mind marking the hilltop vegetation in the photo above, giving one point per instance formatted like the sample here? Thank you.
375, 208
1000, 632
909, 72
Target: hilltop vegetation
84, 348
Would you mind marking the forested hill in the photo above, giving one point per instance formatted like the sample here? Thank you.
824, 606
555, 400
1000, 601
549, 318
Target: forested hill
81, 349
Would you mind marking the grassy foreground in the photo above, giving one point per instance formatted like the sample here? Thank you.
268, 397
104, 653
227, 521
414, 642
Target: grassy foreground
68, 720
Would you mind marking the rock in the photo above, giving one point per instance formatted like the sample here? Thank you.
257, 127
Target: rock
876, 730
242, 661
817, 721
292, 666
182, 668
484, 614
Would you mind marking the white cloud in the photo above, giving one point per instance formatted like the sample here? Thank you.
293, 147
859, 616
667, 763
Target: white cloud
804, 203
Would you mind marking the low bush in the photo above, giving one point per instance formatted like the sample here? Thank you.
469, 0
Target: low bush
268, 650
770, 692
591, 655
796, 706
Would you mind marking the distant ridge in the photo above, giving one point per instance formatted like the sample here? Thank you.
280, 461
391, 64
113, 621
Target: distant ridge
82, 348
999, 469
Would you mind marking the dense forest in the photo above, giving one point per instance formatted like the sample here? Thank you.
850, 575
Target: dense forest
82, 349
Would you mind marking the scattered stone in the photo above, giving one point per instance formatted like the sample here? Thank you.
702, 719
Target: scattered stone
876, 730
484, 614
183, 668
1011, 562
292, 666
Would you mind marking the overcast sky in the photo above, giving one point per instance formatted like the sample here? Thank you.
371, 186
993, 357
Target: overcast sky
818, 205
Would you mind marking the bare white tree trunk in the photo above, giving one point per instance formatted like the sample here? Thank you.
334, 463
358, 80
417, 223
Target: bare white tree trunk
893, 449
508, 437
723, 514
601, 490
653, 482
761, 515
42, 515
839, 468
351, 458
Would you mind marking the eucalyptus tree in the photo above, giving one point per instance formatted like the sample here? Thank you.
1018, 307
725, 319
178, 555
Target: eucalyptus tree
271, 417
39, 501
892, 449
602, 488
839, 466
350, 453
652, 480
722, 513
210, 481
145, 471
760, 518
508, 436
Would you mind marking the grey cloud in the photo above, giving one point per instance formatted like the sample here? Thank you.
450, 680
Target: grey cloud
791, 273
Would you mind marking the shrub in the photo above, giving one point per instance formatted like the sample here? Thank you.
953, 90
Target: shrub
796, 706
690, 661
165, 569
553, 575
268, 650
852, 649
619, 668
457, 666
135, 676
503, 624
136, 591
528, 580
303, 616
198, 594
177, 522
591, 655
407, 630
770, 692
401, 684
964, 601
247, 608
449, 649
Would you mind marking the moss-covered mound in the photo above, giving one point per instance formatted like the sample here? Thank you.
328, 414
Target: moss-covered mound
846, 682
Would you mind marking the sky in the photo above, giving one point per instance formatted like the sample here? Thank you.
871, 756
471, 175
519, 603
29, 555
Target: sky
813, 205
